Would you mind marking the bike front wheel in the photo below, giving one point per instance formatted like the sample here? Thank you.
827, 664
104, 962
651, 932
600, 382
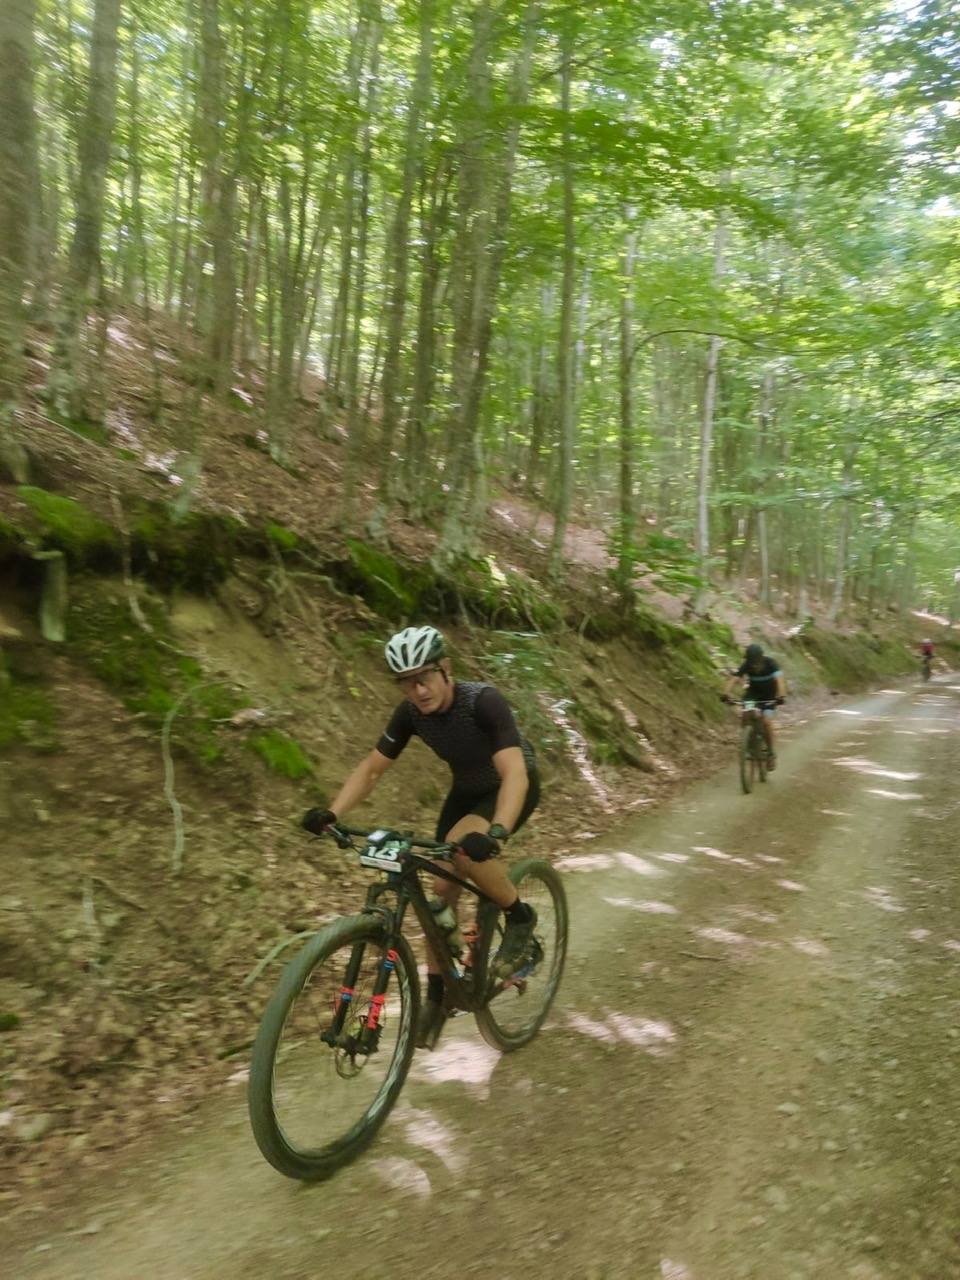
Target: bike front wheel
748, 762
516, 1009
319, 1087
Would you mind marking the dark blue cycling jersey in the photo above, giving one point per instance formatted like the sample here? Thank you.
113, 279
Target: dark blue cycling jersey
763, 682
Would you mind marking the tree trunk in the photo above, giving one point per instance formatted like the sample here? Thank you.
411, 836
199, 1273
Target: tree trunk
626, 533
18, 167
706, 427
565, 405
68, 385
397, 250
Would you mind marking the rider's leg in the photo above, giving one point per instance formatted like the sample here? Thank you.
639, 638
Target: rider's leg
768, 733
490, 877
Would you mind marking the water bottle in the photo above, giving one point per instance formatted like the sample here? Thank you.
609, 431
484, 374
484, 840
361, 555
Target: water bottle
445, 917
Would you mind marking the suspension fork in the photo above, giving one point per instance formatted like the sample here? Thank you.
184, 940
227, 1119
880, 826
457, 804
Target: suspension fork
370, 1030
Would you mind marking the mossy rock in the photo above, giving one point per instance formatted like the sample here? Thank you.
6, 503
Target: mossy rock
282, 754
67, 525
391, 588
13, 540
145, 671
498, 598
28, 715
195, 551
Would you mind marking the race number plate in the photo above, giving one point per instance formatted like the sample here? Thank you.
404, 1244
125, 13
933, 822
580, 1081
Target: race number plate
381, 852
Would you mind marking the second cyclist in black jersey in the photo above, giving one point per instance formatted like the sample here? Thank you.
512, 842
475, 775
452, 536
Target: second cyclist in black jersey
494, 785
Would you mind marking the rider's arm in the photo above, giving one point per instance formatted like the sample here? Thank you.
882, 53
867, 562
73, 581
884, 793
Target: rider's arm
734, 678
514, 783
360, 783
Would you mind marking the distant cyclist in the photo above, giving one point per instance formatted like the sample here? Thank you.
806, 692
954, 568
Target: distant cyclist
764, 684
495, 786
926, 657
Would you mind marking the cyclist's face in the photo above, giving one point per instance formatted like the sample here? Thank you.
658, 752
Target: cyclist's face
426, 689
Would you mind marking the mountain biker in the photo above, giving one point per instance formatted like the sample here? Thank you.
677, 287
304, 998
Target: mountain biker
765, 684
495, 787
926, 650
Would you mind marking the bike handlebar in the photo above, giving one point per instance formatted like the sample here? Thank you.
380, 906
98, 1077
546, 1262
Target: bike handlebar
344, 838
752, 702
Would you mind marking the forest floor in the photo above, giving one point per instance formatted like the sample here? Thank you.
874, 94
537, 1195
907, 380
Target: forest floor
750, 1072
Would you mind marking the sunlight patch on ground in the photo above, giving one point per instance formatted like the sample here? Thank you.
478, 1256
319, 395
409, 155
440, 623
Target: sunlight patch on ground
723, 857
841, 711
653, 908
894, 795
672, 857
670, 1270
761, 917
646, 1033
951, 944
403, 1175
919, 935
463, 1062
423, 1130
640, 865
791, 885
810, 947
875, 770
726, 936
882, 898
768, 857
837, 813
585, 862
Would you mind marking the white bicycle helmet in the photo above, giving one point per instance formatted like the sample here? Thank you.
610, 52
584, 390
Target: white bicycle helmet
413, 648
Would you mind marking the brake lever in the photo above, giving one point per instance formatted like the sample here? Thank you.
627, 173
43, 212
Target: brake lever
341, 838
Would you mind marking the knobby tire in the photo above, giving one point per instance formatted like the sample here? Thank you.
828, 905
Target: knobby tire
491, 1020
313, 1165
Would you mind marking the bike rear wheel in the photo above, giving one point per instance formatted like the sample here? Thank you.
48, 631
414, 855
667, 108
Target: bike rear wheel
760, 753
515, 1010
314, 1105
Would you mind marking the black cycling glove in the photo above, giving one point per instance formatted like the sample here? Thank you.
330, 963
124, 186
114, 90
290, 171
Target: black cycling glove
478, 846
317, 821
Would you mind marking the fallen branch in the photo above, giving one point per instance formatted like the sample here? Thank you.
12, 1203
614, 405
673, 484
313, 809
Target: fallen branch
695, 955
125, 561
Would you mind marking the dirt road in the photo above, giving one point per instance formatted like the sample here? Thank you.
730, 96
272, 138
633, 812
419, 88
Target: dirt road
753, 1069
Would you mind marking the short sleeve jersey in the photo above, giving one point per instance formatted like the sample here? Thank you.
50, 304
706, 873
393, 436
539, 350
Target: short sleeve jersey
477, 725
763, 683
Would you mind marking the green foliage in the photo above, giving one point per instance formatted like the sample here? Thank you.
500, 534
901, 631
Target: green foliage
281, 536
282, 754
848, 663
65, 523
9, 1021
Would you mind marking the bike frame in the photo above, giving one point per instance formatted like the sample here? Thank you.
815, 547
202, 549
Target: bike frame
462, 990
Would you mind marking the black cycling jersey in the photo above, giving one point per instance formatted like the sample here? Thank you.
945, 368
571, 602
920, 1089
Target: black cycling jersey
763, 683
477, 724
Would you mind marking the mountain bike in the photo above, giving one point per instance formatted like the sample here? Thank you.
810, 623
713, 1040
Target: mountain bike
337, 1036
927, 662
753, 745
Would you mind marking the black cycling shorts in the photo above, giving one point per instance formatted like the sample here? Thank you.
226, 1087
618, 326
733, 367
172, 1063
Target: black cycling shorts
459, 803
